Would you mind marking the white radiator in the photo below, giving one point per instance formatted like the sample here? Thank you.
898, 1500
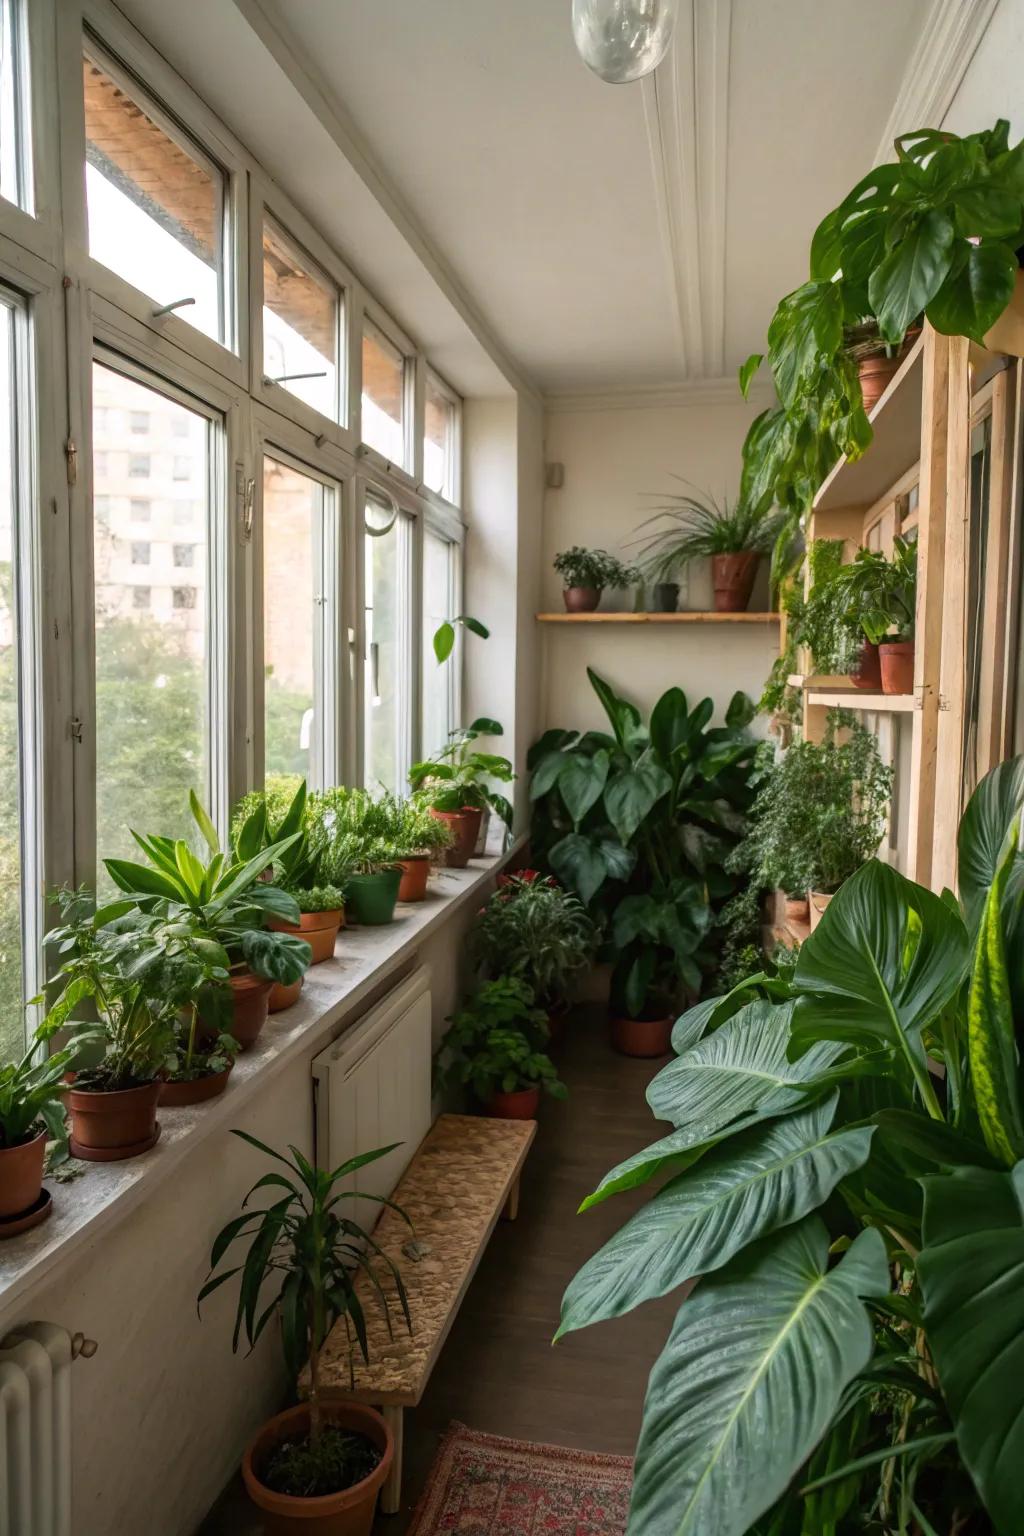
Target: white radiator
35, 1431
373, 1088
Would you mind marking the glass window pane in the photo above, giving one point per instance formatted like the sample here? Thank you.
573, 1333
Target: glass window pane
13, 789
301, 324
155, 207
293, 608
152, 709
386, 691
438, 683
383, 396
439, 441
15, 178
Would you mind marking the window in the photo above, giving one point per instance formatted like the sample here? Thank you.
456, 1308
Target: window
155, 201
183, 466
138, 421
140, 553
138, 466
297, 625
301, 324
383, 425
440, 440
141, 509
183, 514
141, 597
440, 602
386, 702
152, 661
15, 164
184, 556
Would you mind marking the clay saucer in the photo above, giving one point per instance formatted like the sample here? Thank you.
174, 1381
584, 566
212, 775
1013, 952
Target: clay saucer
112, 1154
10, 1226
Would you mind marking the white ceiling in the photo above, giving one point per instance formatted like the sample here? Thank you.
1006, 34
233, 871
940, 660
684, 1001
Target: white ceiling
609, 238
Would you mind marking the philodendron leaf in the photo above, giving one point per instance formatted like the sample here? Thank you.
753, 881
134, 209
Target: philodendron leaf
578, 862
694, 1024
908, 278
581, 781
750, 1381
634, 793
276, 956
975, 292
991, 1034
745, 1188
971, 1267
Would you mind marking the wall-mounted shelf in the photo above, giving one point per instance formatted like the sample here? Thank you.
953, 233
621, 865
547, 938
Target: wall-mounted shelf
895, 445
657, 618
862, 699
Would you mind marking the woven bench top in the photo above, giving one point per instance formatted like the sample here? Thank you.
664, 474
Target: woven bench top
453, 1191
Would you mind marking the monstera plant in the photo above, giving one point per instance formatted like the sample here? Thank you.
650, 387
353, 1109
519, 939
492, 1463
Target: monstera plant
639, 822
846, 1184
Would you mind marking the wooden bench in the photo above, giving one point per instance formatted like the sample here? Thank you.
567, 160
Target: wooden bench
464, 1175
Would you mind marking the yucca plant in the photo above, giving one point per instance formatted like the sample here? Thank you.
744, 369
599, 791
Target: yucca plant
847, 1183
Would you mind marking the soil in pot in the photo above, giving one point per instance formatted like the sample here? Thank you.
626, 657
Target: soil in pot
666, 597
21, 1175
372, 898
178, 1093
897, 665
581, 599
642, 1037
108, 1126
521, 1105
319, 929
283, 995
868, 673
465, 827
278, 1453
415, 874
733, 577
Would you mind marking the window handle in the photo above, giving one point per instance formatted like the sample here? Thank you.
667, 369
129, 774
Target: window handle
375, 671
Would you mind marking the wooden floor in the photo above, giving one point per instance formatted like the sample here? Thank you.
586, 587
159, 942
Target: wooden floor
498, 1371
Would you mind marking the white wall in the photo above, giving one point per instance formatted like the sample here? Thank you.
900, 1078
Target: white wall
991, 87
611, 458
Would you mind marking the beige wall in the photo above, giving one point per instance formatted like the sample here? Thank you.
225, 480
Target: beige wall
611, 458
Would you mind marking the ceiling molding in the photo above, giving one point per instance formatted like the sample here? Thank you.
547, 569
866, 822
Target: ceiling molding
937, 65
694, 392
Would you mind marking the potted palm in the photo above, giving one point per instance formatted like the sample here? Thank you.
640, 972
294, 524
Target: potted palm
456, 786
319, 1466
535, 929
881, 594
586, 572
493, 1048
32, 1110
735, 536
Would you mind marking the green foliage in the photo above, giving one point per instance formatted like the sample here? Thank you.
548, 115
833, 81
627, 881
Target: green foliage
493, 1043
460, 775
849, 1361
444, 635
820, 813
536, 930
580, 567
359, 833
304, 1470
880, 594
32, 1090
688, 527
318, 898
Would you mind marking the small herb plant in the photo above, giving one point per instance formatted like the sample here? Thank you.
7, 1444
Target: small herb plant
687, 527
824, 621
880, 594
458, 777
593, 568
535, 929
493, 1044
821, 812
315, 1255
32, 1091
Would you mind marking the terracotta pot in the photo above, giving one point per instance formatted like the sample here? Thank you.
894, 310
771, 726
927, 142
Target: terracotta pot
283, 995
197, 1091
642, 1037
522, 1105
107, 1127
876, 372
250, 995
797, 909
581, 599
897, 660
818, 901
465, 825
415, 874
733, 577
21, 1175
869, 668
334, 1514
319, 929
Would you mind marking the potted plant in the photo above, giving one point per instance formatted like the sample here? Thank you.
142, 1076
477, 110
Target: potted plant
421, 839
733, 536
196, 1067
586, 572
493, 1048
361, 827
819, 815
457, 789
31, 1110
535, 929
319, 1466
881, 593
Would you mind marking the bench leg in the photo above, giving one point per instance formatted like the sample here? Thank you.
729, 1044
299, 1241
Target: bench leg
511, 1210
391, 1493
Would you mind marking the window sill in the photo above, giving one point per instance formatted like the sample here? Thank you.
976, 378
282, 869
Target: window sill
106, 1193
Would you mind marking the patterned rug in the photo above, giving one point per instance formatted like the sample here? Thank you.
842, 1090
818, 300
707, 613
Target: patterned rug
482, 1485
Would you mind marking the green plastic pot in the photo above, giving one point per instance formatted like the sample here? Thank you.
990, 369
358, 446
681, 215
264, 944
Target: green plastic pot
370, 899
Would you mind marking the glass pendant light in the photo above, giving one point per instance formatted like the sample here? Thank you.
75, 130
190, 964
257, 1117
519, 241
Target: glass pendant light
623, 40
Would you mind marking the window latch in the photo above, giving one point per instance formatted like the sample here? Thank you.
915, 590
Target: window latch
76, 728
245, 490
71, 456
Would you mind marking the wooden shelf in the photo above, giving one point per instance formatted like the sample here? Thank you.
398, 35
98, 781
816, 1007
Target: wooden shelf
894, 449
861, 699
657, 618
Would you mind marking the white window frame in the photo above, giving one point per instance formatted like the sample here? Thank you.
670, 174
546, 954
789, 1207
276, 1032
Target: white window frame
443, 528
409, 474
376, 487
450, 493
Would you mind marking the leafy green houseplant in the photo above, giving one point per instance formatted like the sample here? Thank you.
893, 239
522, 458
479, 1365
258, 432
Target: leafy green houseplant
851, 1198
586, 572
493, 1048
640, 822
32, 1093
733, 536
363, 832
880, 593
456, 786
303, 868
535, 929
333, 1451
823, 621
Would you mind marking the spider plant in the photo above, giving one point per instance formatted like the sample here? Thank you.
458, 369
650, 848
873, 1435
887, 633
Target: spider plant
686, 527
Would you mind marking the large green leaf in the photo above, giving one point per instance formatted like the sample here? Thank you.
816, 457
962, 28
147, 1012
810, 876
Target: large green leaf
670, 722
624, 717
578, 861
581, 781
972, 1275
991, 1035
990, 813
906, 281
767, 1178
750, 1380
975, 292
807, 325
633, 793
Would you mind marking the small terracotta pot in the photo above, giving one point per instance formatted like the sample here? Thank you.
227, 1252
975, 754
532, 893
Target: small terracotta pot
465, 825
107, 1127
21, 1175
877, 372
521, 1105
897, 663
197, 1091
797, 909
733, 577
283, 995
642, 1037
817, 901
334, 1514
319, 929
868, 673
581, 599
250, 995
415, 874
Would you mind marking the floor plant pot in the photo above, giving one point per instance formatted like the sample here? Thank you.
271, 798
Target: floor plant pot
21, 1175
666, 597
641, 1037
818, 901
108, 1127
319, 929
465, 827
897, 664
733, 577
372, 898
195, 1091
521, 1105
415, 874
349, 1513
868, 673
797, 909
250, 996
581, 599
283, 995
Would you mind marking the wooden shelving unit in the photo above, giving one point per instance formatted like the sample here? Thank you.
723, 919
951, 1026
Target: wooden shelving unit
657, 618
861, 699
